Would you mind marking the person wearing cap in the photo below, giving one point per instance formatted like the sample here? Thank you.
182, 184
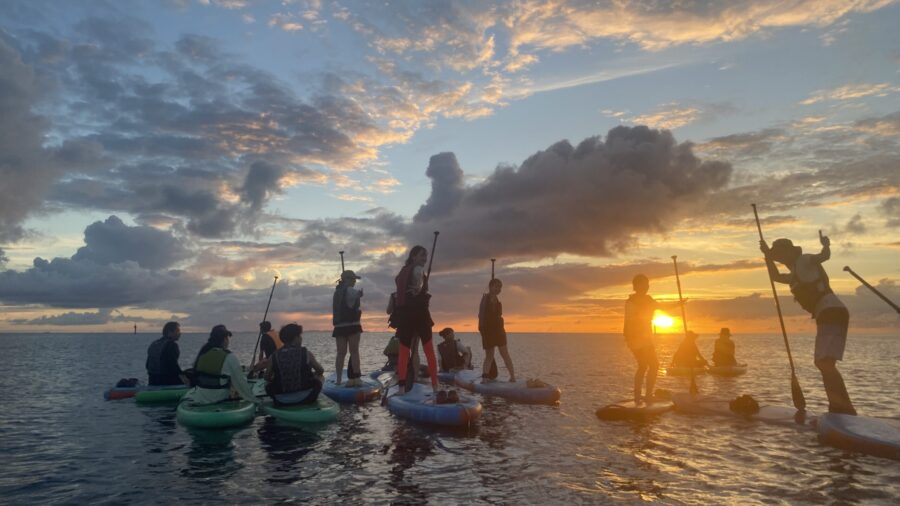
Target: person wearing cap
295, 376
688, 355
723, 350
346, 314
217, 372
811, 289
452, 354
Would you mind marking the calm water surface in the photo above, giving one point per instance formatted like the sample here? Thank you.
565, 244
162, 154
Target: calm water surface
62, 443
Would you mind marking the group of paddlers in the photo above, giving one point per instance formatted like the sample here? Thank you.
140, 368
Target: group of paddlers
292, 373
810, 286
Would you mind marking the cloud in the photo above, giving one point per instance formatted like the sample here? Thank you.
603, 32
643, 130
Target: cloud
855, 226
447, 187
851, 92
105, 273
100, 317
891, 209
588, 199
111, 242
675, 115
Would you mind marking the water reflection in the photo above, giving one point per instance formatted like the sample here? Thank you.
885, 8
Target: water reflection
286, 447
410, 445
211, 455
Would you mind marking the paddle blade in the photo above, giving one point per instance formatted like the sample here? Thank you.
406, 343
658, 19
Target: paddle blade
797, 394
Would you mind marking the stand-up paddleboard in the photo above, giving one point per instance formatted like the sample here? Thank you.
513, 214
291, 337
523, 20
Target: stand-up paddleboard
700, 405
418, 405
161, 394
518, 391
861, 434
685, 371
321, 411
118, 393
447, 377
369, 391
220, 415
628, 410
727, 370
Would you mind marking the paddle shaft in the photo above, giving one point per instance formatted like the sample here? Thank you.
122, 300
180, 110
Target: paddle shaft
683, 318
796, 391
493, 260
265, 315
870, 287
342, 261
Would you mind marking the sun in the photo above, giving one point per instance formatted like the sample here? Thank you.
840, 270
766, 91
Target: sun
662, 320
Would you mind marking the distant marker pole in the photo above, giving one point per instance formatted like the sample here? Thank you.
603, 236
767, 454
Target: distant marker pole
870, 287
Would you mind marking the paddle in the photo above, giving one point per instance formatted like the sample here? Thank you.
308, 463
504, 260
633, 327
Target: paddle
493, 260
796, 392
693, 390
493, 373
870, 287
265, 315
342, 261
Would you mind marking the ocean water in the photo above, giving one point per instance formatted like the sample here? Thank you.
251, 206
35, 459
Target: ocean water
61, 443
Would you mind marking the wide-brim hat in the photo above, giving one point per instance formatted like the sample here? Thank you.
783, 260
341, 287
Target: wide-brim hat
349, 275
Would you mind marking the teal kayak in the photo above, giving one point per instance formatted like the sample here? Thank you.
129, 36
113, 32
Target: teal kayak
156, 395
321, 411
215, 416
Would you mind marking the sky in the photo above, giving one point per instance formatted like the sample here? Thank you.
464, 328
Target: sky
166, 160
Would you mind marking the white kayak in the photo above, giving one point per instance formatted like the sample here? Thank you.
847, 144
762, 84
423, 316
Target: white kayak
701, 405
727, 370
628, 410
861, 434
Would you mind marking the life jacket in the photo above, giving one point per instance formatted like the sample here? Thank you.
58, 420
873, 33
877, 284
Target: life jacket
291, 370
154, 356
490, 317
340, 313
402, 281
451, 358
809, 293
269, 344
208, 369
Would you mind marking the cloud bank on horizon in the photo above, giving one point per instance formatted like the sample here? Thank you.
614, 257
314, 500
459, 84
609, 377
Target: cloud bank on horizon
192, 149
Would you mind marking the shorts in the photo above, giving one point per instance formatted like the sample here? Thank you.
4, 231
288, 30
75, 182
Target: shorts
831, 333
493, 339
347, 331
646, 355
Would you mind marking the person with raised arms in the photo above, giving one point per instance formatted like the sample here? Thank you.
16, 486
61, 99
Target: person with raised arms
411, 315
162, 358
639, 309
809, 284
217, 372
493, 332
295, 376
346, 316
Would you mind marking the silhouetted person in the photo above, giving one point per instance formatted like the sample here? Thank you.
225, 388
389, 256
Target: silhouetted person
639, 309
269, 343
295, 376
346, 315
723, 350
411, 314
809, 284
162, 358
452, 354
688, 355
493, 332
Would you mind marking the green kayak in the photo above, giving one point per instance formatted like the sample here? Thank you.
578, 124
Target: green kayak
323, 410
216, 416
157, 395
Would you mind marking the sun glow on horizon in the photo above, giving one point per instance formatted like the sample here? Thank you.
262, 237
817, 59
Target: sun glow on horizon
662, 321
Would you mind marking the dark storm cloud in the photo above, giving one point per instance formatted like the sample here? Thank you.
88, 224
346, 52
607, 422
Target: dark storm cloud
113, 242
262, 180
447, 187
589, 199
116, 268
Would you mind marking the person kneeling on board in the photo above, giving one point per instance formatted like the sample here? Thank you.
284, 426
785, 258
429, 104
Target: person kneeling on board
162, 358
452, 354
295, 376
811, 289
217, 372
269, 343
723, 352
687, 355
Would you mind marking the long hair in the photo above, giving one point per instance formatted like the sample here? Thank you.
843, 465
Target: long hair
169, 328
413, 252
216, 340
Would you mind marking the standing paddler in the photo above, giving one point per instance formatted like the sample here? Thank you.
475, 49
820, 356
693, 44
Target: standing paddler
412, 316
346, 316
809, 284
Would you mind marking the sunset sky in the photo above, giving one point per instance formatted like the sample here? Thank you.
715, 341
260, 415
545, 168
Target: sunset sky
166, 159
